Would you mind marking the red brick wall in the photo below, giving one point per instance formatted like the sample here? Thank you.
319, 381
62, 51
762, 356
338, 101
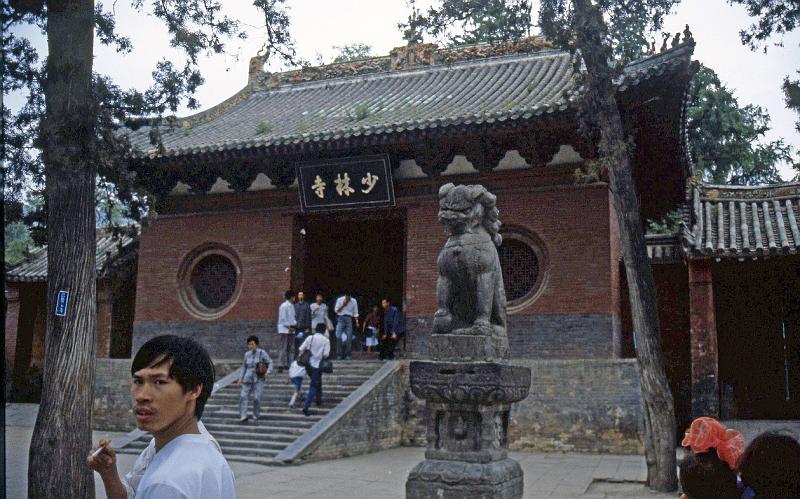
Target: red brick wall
573, 223
262, 241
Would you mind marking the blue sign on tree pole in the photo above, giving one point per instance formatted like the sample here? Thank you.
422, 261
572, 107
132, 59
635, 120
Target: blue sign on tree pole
61, 303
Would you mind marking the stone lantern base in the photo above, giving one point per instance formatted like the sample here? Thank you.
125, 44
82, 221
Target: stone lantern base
469, 404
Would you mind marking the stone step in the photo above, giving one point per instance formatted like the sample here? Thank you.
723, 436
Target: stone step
272, 415
248, 451
266, 459
270, 433
296, 428
254, 444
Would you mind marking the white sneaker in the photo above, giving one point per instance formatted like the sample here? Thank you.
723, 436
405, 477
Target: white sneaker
291, 402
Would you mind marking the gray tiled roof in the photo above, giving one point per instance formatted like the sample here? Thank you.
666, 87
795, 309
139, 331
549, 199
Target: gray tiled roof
107, 252
488, 90
737, 221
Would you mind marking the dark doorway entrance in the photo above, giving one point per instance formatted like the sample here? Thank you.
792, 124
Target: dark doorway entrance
361, 251
758, 327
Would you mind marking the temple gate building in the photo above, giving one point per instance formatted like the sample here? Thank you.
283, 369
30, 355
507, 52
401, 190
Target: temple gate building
325, 179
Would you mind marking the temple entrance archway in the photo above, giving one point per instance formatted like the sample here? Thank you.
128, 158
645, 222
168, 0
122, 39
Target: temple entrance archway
360, 251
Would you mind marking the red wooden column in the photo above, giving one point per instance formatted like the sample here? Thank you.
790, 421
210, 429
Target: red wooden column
12, 326
703, 339
104, 318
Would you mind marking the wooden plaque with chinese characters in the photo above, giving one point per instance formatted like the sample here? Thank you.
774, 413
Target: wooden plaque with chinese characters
346, 183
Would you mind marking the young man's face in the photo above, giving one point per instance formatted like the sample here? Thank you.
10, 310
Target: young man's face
319, 298
252, 345
159, 400
385, 303
301, 296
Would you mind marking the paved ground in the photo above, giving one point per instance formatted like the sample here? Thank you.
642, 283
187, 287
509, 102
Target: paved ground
379, 475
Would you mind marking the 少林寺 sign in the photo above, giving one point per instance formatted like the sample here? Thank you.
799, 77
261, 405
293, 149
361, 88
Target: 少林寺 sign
345, 183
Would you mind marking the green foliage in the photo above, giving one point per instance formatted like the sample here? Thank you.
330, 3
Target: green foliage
459, 22
196, 27
791, 88
728, 140
669, 224
263, 128
628, 25
17, 242
353, 52
774, 17
359, 113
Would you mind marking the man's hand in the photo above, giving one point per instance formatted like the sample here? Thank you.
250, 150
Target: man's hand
105, 462
238, 382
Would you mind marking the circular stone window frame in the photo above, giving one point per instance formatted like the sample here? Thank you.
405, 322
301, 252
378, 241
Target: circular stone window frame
186, 292
535, 243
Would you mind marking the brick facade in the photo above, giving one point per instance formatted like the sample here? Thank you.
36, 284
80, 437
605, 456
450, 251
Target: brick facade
575, 315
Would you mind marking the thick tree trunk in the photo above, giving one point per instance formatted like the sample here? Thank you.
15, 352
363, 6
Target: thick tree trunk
600, 107
62, 435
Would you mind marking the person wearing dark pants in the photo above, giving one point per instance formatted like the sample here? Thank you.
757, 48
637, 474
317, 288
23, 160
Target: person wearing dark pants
302, 315
286, 326
320, 348
346, 309
393, 329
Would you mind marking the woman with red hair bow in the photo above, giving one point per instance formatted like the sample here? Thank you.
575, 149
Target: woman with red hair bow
709, 469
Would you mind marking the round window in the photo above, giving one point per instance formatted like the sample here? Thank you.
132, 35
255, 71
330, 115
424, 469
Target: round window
210, 281
523, 261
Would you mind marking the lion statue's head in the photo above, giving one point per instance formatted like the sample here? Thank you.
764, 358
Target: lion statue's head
463, 208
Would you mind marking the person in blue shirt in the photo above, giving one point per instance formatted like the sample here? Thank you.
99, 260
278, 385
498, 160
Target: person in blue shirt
393, 329
252, 383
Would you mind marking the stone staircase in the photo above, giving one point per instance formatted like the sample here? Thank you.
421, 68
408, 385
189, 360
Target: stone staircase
278, 426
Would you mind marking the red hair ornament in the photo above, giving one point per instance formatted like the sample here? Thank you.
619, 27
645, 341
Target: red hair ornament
707, 433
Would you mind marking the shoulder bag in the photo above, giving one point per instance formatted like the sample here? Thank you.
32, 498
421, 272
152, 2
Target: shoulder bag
304, 359
261, 368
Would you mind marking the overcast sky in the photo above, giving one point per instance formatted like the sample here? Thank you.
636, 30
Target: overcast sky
318, 26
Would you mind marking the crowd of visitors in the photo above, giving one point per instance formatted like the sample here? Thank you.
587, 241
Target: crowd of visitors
304, 327
718, 465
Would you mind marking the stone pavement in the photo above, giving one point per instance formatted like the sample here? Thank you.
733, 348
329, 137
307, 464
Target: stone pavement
379, 475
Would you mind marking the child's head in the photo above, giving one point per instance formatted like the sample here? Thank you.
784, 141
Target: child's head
771, 466
706, 476
320, 328
708, 471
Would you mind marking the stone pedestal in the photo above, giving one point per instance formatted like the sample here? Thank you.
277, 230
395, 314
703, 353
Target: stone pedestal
469, 404
467, 385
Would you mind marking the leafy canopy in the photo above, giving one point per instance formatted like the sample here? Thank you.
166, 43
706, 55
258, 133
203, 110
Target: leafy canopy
352, 52
728, 140
198, 28
774, 18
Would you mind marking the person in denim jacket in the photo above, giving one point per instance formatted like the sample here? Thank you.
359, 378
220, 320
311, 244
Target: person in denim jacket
252, 383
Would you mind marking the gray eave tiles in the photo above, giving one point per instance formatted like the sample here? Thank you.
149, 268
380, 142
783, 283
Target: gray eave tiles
488, 90
107, 250
741, 221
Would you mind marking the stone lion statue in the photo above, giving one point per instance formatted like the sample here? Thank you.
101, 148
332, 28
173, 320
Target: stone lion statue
470, 294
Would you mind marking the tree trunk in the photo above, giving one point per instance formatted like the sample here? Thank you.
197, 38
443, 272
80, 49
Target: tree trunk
601, 108
62, 435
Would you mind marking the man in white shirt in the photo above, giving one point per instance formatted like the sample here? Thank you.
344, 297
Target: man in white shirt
320, 348
172, 380
286, 326
346, 309
319, 315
